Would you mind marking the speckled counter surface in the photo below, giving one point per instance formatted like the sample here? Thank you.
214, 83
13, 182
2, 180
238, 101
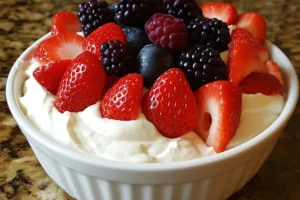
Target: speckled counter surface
22, 178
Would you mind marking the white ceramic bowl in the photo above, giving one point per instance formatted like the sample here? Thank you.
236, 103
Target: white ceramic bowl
87, 177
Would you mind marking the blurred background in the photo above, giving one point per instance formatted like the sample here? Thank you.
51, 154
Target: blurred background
22, 178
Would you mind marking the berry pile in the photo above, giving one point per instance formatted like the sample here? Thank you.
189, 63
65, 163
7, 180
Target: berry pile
171, 47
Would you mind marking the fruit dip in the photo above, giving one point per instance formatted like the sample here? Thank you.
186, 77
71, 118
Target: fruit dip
153, 112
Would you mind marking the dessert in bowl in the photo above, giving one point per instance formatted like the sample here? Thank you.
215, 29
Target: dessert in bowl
71, 151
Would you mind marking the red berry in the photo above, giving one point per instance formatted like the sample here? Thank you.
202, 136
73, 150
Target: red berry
222, 11
82, 84
123, 99
105, 33
254, 23
50, 76
274, 70
264, 83
61, 47
64, 22
246, 55
219, 108
167, 31
170, 104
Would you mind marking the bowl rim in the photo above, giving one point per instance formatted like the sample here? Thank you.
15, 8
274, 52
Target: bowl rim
292, 86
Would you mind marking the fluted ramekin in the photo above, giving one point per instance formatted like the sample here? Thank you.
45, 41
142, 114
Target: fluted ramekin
87, 177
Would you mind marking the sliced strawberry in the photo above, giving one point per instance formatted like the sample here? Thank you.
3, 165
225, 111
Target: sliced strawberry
123, 99
264, 83
254, 23
274, 70
222, 11
219, 106
170, 104
61, 47
82, 84
246, 55
49, 76
64, 22
105, 33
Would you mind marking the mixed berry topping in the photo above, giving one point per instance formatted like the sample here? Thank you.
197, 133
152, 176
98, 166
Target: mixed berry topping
93, 14
202, 65
116, 60
172, 48
186, 10
209, 32
167, 31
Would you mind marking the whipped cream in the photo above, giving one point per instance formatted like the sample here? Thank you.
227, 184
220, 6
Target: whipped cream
137, 140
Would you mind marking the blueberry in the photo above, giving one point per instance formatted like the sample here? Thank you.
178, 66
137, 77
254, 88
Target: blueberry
136, 39
152, 61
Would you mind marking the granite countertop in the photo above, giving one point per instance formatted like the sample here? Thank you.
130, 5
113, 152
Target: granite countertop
21, 176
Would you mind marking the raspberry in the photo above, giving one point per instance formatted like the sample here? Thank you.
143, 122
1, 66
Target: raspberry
167, 31
136, 12
209, 32
184, 9
202, 65
116, 59
93, 14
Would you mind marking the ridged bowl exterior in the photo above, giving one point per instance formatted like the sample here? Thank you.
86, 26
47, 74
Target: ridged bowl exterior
217, 187
87, 177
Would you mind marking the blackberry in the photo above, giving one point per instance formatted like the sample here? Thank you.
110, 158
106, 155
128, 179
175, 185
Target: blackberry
202, 65
93, 14
184, 9
209, 32
136, 12
116, 59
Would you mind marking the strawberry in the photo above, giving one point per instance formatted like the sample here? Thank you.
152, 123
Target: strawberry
64, 22
264, 83
61, 47
105, 33
246, 55
219, 106
82, 84
254, 23
170, 104
222, 11
49, 76
274, 70
123, 99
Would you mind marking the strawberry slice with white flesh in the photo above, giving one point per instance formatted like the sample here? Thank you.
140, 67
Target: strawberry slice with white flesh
219, 106
66, 46
254, 23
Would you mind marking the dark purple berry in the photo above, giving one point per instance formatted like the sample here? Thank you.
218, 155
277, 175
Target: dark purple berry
202, 65
93, 14
152, 61
136, 12
186, 10
209, 32
167, 31
136, 39
116, 59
